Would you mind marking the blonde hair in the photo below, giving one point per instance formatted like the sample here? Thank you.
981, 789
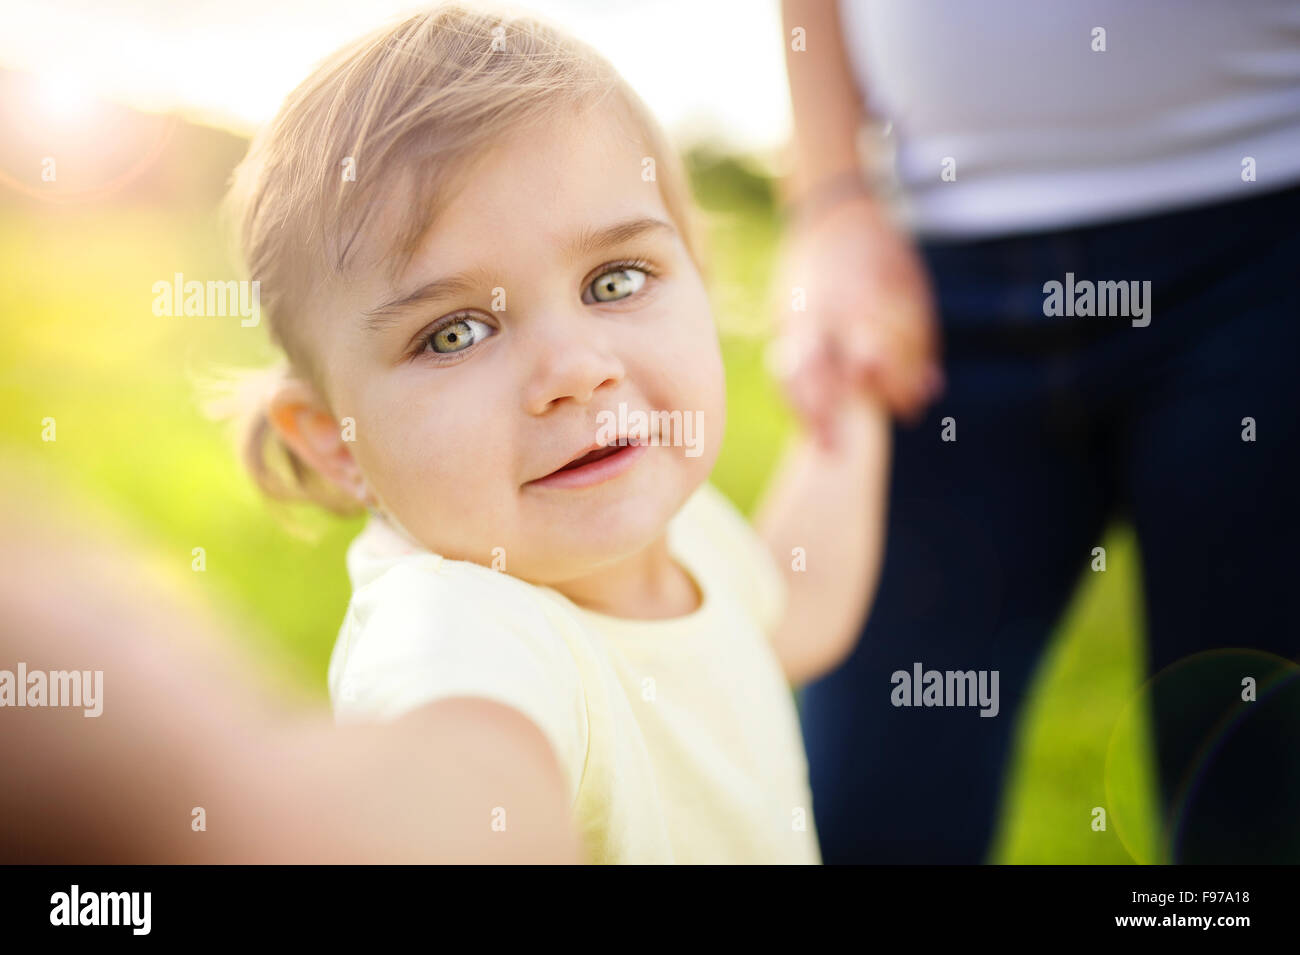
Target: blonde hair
404, 109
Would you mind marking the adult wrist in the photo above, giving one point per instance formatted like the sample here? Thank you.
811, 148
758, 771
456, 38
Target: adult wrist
824, 195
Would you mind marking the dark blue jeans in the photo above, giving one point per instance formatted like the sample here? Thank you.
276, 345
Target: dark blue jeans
1063, 424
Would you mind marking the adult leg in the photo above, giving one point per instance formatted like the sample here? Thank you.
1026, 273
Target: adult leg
1218, 524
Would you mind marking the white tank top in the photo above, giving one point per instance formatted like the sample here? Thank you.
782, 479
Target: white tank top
1008, 115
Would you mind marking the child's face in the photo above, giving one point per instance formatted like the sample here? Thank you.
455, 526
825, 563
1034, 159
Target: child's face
456, 423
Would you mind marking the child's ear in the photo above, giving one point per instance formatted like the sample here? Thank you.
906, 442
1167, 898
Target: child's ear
304, 423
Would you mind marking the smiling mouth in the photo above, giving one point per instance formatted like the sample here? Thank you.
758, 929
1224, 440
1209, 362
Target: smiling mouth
593, 467
589, 457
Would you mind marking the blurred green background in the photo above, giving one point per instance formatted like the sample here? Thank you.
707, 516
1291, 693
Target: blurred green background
81, 345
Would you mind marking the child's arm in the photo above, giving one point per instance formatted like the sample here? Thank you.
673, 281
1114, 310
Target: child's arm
463, 780
831, 504
185, 733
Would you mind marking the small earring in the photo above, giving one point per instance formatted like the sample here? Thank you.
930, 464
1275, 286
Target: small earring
362, 492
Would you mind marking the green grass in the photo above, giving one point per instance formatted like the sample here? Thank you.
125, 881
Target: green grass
1089, 674
81, 345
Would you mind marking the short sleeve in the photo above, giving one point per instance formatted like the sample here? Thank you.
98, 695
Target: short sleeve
718, 532
429, 629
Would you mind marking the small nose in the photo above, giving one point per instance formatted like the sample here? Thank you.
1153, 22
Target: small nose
569, 360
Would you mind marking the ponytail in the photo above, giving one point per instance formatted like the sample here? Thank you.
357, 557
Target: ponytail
241, 399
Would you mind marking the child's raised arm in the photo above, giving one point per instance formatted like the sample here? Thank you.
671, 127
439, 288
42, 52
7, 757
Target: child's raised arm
822, 517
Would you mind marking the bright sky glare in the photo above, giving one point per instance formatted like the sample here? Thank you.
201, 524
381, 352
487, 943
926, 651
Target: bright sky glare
708, 68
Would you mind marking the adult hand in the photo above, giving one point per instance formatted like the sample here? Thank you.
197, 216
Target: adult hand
854, 310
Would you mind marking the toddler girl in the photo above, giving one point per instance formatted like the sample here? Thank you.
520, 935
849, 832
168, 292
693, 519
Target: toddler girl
476, 250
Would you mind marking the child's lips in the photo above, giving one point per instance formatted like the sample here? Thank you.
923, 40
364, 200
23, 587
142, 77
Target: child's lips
594, 467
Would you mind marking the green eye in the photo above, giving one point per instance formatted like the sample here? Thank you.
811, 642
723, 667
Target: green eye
458, 335
617, 284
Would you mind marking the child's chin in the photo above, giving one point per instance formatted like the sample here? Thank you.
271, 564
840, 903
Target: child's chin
617, 532
610, 533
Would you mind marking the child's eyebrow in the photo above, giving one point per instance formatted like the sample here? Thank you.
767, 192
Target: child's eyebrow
586, 242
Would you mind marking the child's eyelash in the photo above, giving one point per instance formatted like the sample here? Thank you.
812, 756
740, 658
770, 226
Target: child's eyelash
640, 264
421, 348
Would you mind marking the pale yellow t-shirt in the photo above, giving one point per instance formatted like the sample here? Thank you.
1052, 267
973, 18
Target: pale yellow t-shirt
678, 738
